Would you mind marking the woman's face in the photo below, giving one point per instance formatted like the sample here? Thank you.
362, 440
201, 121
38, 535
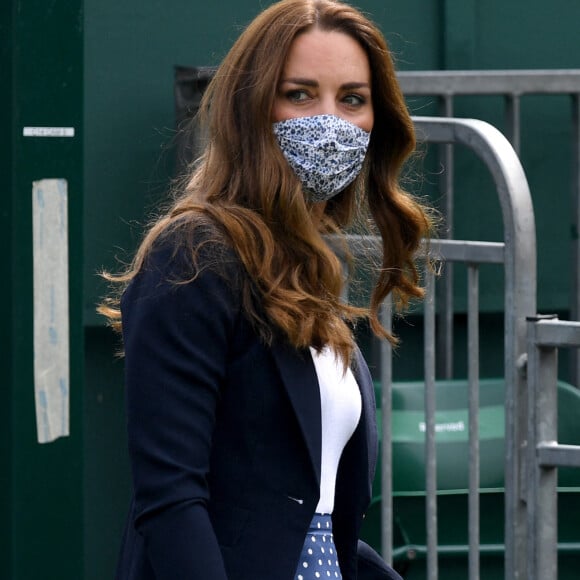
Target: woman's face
326, 73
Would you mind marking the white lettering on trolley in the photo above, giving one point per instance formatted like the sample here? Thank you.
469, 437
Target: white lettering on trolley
452, 427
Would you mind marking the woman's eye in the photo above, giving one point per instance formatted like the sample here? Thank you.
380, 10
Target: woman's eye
297, 95
354, 100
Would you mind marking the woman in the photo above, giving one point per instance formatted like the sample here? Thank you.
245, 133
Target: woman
250, 410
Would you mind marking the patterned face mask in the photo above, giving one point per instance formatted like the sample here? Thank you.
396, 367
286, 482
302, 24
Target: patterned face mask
325, 151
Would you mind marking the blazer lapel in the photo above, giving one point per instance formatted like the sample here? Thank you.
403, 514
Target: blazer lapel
301, 383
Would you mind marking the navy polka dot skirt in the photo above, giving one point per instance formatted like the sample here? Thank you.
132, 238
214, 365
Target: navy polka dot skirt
318, 559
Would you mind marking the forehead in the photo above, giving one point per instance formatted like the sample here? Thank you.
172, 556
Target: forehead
327, 53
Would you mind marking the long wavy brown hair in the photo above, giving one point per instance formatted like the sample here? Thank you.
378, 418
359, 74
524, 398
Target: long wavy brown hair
243, 184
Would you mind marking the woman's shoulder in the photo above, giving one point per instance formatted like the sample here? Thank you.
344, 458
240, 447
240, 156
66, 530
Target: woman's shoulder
191, 252
190, 245
188, 278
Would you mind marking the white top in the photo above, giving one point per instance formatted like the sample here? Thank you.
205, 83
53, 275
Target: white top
341, 404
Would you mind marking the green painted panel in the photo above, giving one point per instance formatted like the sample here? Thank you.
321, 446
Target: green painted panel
458, 33
6, 304
522, 34
130, 51
412, 30
533, 35
46, 480
106, 469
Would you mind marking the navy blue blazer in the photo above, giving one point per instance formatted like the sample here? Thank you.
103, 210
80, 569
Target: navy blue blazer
225, 434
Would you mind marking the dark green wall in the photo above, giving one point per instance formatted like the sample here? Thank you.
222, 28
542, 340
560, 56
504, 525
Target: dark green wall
41, 486
6, 304
494, 34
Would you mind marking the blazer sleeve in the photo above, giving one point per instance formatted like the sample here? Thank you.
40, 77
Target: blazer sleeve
176, 337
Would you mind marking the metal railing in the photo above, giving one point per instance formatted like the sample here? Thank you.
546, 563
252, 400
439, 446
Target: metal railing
519, 302
517, 253
513, 85
544, 455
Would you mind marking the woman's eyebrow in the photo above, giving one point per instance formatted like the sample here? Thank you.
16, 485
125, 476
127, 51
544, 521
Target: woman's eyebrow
355, 85
313, 83
300, 81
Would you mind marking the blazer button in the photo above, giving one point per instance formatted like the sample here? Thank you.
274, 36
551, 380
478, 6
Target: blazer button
296, 499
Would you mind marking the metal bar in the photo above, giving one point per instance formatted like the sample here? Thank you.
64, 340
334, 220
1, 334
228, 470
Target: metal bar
460, 550
558, 333
472, 82
345, 292
430, 450
467, 251
448, 250
512, 120
387, 441
529, 479
445, 319
473, 379
575, 269
558, 455
541, 481
520, 301
469, 82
